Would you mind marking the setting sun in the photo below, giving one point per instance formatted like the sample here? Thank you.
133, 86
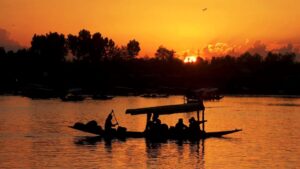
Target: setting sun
190, 59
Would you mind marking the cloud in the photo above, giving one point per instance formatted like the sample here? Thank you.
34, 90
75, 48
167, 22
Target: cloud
7, 42
217, 49
289, 48
259, 48
263, 49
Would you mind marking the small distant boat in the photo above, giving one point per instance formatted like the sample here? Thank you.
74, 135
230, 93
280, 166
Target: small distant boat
102, 97
198, 95
155, 95
72, 97
160, 134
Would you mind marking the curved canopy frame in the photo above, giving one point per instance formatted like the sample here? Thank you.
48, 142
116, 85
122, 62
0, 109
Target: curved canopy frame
169, 109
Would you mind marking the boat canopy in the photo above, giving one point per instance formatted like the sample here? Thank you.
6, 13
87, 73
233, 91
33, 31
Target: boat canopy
169, 109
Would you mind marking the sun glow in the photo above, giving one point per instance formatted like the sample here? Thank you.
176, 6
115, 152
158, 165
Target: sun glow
190, 59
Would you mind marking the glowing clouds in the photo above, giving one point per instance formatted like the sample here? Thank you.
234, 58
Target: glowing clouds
217, 49
257, 47
7, 42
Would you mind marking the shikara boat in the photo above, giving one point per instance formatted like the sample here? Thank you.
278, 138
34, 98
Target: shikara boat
155, 95
161, 134
209, 94
102, 97
72, 98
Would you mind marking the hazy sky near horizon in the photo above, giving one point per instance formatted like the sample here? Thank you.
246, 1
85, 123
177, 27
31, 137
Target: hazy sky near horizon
226, 26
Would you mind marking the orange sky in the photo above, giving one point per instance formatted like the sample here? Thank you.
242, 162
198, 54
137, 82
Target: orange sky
180, 25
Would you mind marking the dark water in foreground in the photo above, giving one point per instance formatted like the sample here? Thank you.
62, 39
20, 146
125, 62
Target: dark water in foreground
34, 134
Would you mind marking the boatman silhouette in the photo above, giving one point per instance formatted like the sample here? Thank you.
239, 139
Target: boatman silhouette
108, 123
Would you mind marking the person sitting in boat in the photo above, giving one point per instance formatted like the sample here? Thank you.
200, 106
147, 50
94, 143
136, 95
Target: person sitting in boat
154, 123
155, 128
151, 124
109, 125
155, 119
194, 126
180, 126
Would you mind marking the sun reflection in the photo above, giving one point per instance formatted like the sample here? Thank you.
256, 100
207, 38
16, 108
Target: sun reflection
190, 59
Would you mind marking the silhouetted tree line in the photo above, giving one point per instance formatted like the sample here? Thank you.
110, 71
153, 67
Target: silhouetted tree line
95, 63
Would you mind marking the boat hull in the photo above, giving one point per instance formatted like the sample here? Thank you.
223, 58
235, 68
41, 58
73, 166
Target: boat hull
134, 134
221, 133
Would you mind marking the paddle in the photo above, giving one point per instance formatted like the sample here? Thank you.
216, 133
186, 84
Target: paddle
113, 113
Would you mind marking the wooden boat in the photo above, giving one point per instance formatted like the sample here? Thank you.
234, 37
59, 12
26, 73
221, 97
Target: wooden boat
161, 134
127, 134
198, 95
102, 97
155, 95
136, 134
72, 98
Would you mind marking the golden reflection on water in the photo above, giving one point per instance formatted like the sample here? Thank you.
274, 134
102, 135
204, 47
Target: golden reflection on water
34, 134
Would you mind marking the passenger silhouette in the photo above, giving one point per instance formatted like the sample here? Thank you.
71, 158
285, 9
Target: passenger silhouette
155, 119
194, 127
180, 126
180, 129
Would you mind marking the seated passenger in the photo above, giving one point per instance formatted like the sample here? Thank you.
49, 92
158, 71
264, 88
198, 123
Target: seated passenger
194, 126
180, 126
155, 119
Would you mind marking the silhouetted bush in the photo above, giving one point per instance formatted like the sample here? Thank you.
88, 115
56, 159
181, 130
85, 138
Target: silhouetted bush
98, 65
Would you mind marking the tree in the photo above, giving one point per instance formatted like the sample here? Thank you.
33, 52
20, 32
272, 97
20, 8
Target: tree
288, 58
2, 56
164, 54
50, 48
249, 61
90, 48
272, 58
72, 43
2, 52
97, 48
111, 51
84, 43
133, 48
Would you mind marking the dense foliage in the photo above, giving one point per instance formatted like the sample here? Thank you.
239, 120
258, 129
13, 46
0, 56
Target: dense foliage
94, 63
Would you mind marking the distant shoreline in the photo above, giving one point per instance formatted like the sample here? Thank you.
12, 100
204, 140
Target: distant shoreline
181, 94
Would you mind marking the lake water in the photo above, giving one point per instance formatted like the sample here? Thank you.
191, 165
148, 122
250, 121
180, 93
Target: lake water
34, 134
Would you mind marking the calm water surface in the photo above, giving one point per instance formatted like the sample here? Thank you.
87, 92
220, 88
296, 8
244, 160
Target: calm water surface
34, 134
